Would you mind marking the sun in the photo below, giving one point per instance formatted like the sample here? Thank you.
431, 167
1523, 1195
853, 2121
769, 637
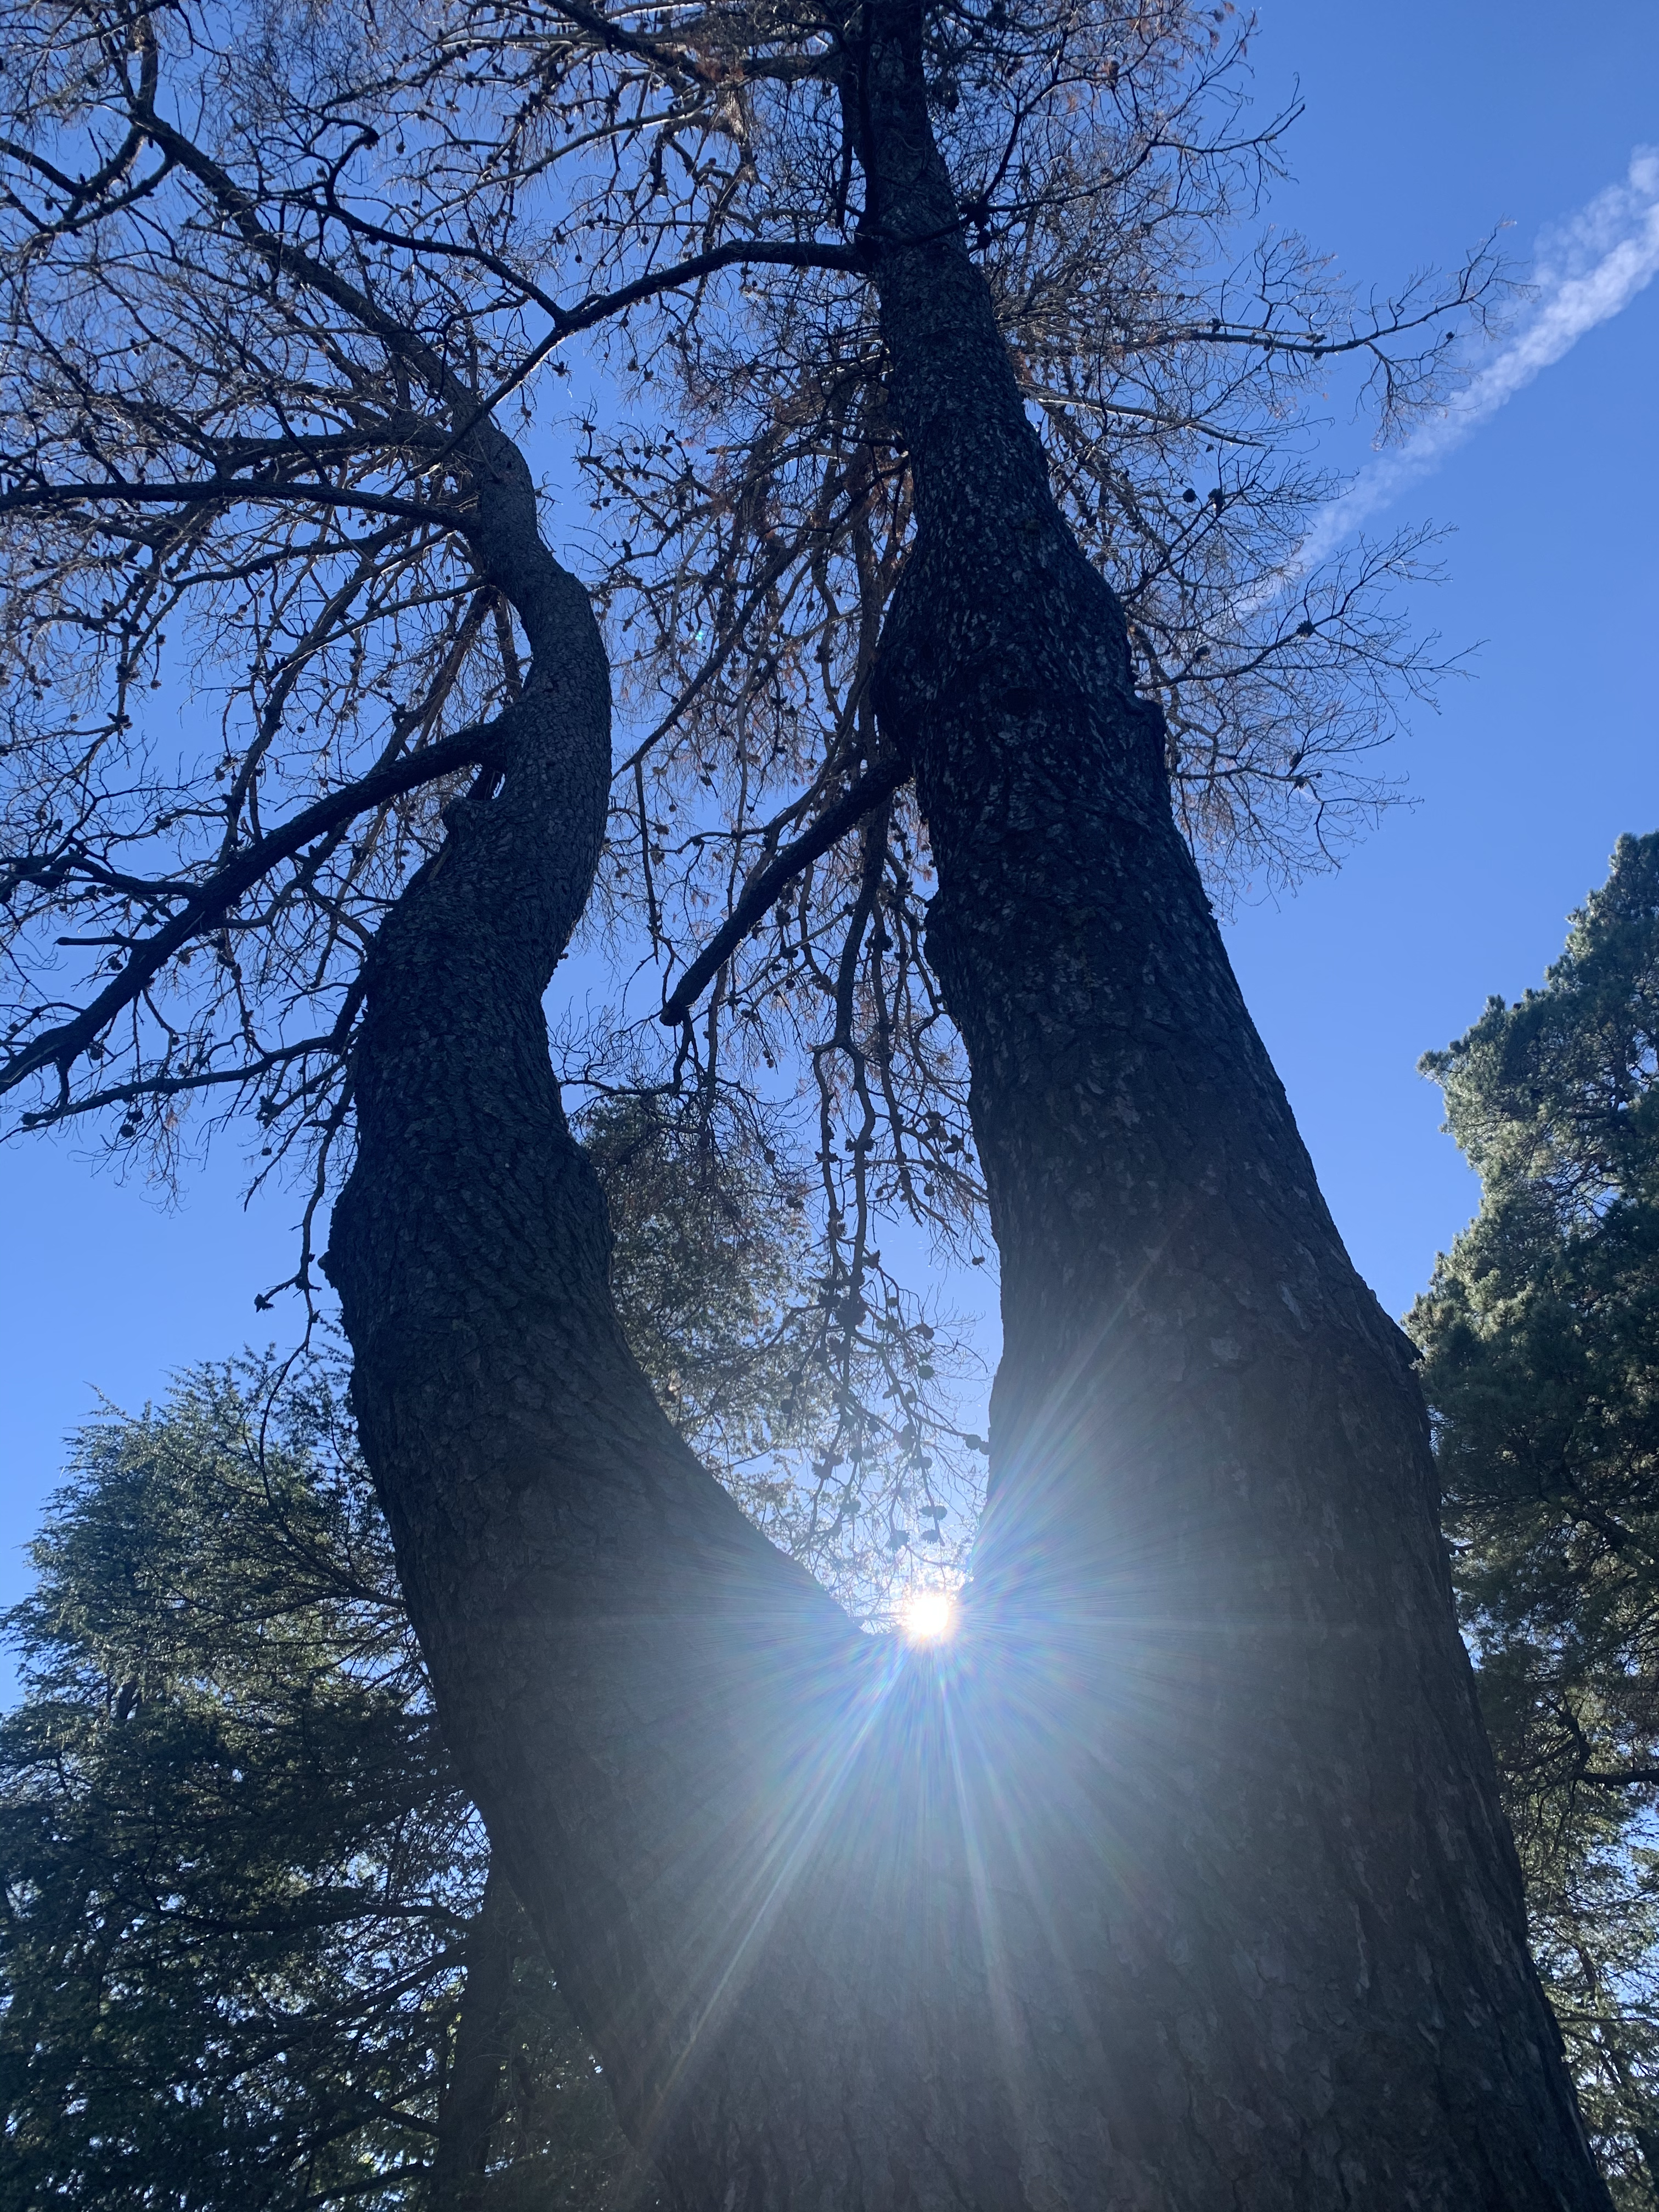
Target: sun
927, 1615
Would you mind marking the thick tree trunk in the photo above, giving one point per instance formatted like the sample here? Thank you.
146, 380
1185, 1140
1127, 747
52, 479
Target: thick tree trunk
1178, 1882
1313, 1984
663, 1719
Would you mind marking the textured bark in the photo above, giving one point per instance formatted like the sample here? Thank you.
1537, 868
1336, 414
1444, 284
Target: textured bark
658, 1713
1314, 1987
1179, 1882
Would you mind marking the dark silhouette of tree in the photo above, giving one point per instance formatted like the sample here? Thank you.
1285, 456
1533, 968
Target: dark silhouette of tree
1180, 1877
252, 1952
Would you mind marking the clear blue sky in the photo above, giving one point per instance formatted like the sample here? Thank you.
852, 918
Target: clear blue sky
1425, 122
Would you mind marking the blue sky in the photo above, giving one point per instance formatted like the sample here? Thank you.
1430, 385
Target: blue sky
1425, 124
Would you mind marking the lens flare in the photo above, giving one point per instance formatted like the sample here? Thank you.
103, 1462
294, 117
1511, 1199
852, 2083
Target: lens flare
928, 1616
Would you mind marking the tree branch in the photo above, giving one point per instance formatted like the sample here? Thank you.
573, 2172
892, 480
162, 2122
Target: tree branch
566, 321
63, 1046
229, 489
832, 824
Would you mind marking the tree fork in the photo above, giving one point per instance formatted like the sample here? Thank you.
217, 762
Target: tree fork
1178, 1882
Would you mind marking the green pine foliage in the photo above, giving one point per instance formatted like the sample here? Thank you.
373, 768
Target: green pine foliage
241, 1873
1540, 1338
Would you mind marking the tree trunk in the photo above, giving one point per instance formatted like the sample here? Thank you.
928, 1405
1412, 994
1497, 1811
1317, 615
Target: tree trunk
471, 2100
1315, 1987
1177, 1881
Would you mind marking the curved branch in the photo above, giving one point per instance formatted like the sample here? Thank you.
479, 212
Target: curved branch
871, 789
598, 306
63, 1046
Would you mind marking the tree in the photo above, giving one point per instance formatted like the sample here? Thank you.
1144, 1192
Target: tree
1204, 1428
1104, 1908
1540, 1332
248, 1948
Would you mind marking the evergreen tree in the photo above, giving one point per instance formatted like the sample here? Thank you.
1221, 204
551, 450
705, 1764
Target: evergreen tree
1540, 1335
247, 1945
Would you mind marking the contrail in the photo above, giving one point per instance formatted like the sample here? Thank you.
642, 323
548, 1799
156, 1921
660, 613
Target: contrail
1588, 268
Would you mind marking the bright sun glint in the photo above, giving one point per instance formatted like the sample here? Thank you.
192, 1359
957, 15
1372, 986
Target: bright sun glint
928, 1616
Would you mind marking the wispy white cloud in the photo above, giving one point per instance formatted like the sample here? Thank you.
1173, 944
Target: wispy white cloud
1588, 268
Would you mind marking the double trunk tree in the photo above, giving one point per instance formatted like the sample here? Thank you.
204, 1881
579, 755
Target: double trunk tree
1178, 1878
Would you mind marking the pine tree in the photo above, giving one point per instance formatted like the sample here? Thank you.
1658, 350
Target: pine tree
247, 1937
1540, 1334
